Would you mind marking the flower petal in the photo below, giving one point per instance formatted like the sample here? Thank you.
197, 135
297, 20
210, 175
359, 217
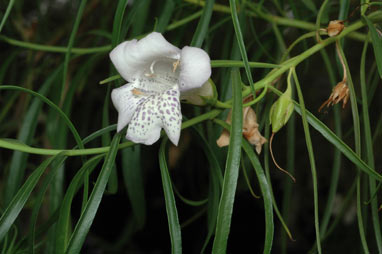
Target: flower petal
126, 103
158, 111
133, 58
145, 127
171, 114
195, 68
223, 140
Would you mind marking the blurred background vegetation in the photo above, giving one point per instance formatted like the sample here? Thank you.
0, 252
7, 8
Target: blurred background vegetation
59, 49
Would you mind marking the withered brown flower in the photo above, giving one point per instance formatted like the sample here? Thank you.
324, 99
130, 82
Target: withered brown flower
339, 92
250, 130
335, 27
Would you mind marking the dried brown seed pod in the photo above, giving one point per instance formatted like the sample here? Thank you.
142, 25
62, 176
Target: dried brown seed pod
339, 93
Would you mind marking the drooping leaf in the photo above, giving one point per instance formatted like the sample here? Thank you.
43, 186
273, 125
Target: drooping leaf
376, 39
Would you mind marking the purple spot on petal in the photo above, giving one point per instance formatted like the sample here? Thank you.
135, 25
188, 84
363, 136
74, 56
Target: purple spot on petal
168, 111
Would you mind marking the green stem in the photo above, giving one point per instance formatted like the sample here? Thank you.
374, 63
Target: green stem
54, 106
14, 145
54, 49
299, 58
276, 19
318, 20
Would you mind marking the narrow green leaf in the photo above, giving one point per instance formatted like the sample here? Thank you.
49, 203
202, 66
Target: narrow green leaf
215, 185
62, 233
240, 40
332, 192
361, 217
369, 149
51, 104
339, 144
56, 165
70, 44
6, 64
266, 195
189, 201
133, 179
86, 219
357, 140
14, 208
344, 9
116, 39
231, 173
165, 16
117, 23
287, 184
336, 141
140, 20
376, 39
310, 5
172, 213
6, 14
80, 78
265, 187
202, 28
25, 136
312, 162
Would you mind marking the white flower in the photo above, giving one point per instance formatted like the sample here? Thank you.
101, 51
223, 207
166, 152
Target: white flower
156, 72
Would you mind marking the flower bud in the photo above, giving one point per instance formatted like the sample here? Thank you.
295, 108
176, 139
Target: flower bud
281, 110
201, 96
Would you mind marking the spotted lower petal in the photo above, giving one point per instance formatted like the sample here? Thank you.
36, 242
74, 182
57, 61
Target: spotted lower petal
126, 100
169, 109
158, 111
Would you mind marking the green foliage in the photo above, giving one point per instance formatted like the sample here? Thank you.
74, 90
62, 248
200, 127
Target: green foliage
57, 124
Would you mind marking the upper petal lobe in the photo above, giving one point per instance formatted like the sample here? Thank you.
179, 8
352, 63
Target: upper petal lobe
195, 68
133, 58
